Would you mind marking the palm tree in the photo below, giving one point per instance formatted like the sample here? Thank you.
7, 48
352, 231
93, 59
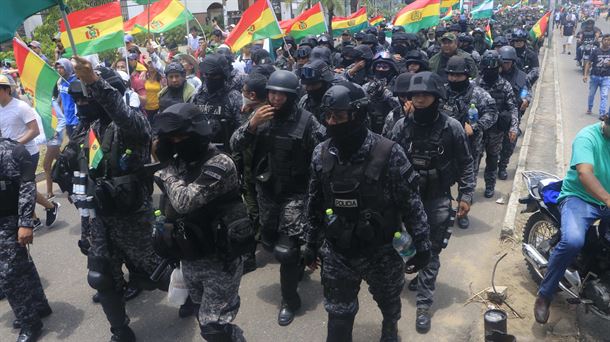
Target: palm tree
330, 5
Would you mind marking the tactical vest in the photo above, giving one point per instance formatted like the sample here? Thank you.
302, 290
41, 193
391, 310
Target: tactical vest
315, 108
280, 160
457, 106
518, 81
118, 191
355, 192
431, 153
217, 112
9, 188
504, 115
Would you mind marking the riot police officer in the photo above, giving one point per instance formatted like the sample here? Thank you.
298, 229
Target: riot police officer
220, 104
19, 279
202, 197
366, 187
521, 89
359, 71
282, 136
400, 88
527, 59
416, 61
461, 96
508, 119
438, 147
316, 77
380, 97
122, 226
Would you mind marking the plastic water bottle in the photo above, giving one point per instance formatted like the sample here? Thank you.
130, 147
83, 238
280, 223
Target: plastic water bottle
473, 114
124, 161
523, 94
159, 226
403, 244
330, 216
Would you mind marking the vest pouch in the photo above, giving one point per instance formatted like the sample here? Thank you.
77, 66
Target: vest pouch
368, 227
262, 170
421, 161
163, 242
346, 199
240, 236
504, 119
447, 174
119, 195
190, 241
9, 197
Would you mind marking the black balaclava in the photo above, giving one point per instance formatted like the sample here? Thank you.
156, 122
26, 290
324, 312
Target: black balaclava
426, 116
459, 86
288, 107
190, 150
347, 136
214, 84
490, 76
317, 94
400, 49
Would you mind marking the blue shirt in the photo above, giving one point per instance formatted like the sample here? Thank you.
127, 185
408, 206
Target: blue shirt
67, 101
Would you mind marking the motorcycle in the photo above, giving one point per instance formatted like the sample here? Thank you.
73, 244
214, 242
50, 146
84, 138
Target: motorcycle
587, 280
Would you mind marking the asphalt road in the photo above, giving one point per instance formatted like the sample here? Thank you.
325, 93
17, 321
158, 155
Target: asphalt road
466, 269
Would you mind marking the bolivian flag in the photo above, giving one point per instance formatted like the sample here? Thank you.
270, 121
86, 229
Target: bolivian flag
418, 15
376, 20
94, 29
353, 23
309, 22
95, 150
257, 22
488, 37
449, 3
38, 79
448, 15
164, 16
539, 28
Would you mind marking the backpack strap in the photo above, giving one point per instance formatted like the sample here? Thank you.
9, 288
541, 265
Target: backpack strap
379, 155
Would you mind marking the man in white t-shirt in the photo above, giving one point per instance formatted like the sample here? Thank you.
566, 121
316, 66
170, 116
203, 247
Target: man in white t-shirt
18, 122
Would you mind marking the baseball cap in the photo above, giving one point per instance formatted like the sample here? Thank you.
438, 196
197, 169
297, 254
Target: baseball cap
128, 38
449, 36
4, 80
35, 43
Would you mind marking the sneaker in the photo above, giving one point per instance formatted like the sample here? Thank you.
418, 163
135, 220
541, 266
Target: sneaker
37, 224
52, 214
589, 112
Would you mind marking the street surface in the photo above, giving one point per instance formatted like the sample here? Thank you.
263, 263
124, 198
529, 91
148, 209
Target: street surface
466, 269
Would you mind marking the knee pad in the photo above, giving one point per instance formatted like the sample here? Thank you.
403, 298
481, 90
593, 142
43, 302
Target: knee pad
286, 251
99, 276
215, 332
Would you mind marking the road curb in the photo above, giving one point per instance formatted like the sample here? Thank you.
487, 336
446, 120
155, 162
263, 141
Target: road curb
508, 226
559, 157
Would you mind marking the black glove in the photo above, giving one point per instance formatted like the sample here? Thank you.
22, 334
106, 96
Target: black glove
310, 254
419, 261
84, 246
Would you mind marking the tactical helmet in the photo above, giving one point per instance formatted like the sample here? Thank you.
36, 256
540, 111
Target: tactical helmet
465, 37
399, 37
175, 67
518, 34
183, 118
478, 30
315, 71
412, 39
457, 65
324, 39
216, 64
508, 53
455, 27
440, 31
284, 81
112, 77
415, 56
309, 40
426, 82
401, 84
303, 51
346, 96
225, 51
364, 52
369, 39
321, 52
491, 59
359, 36
500, 41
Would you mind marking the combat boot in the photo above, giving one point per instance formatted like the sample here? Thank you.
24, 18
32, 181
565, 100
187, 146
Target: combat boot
389, 332
249, 262
30, 334
287, 312
46, 311
340, 328
489, 191
502, 174
122, 334
189, 308
423, 320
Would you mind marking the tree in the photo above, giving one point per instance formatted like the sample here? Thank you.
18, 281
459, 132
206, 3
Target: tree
331, 6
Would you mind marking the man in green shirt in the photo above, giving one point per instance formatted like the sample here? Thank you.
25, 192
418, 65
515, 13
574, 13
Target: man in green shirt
584, 199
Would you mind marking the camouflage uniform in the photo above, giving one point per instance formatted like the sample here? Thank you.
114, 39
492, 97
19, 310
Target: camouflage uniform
115, 237
435, 196
378, 264
381, 103
19, 279
457, 104
502, 92
222, 109
391, 119
529, 63
212, 281
236, 80
282, 214
518, 81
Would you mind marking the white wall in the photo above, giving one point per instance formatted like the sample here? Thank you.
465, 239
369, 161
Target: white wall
31, 23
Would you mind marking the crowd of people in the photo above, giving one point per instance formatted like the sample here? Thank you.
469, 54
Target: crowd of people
321, 151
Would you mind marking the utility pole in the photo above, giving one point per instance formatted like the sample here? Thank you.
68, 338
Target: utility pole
551, 21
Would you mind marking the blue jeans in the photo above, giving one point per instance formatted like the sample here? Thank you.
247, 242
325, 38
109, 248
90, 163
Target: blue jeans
576, 217
603, 83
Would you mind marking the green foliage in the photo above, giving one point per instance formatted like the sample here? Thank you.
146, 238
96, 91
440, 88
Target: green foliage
7, 55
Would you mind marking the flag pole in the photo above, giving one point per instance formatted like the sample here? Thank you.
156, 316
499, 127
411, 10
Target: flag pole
278, 25
62, 10
148, 20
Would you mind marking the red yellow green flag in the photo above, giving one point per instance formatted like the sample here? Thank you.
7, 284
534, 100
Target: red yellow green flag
38, 79
353, 23
164, 16
257, 22
376, 20
94, 29
488, 37
449, 3
420, 14
95, 151
448, 16
539, 28
309, 22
